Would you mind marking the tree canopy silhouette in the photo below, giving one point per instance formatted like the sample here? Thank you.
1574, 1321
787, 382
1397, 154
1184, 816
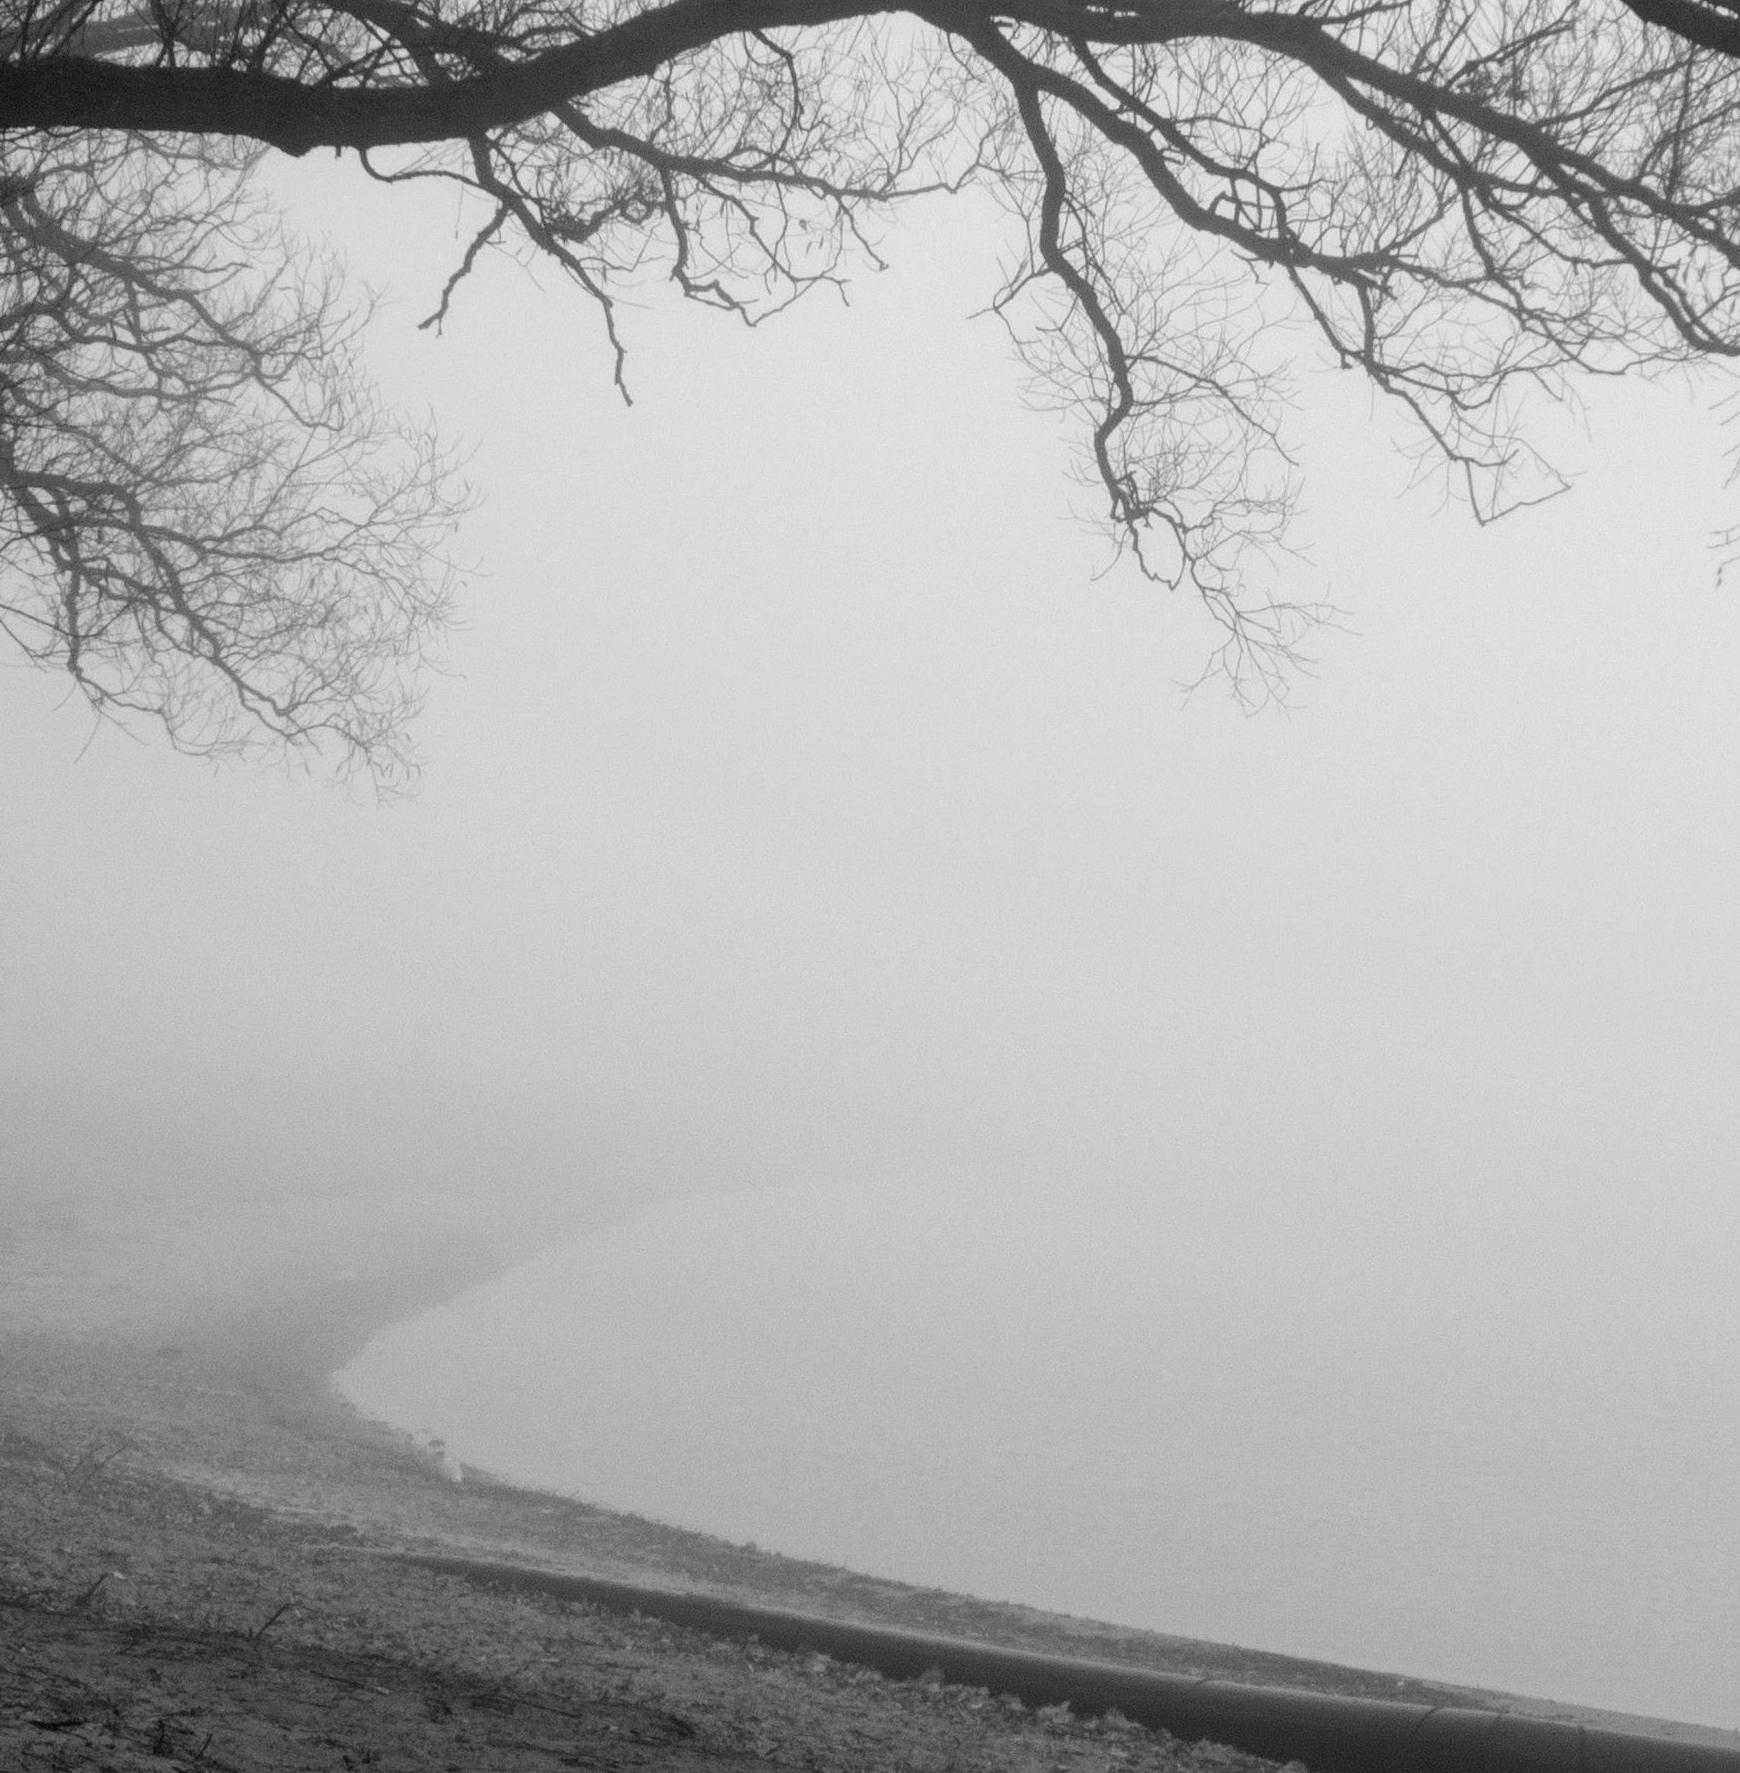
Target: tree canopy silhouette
1470, 202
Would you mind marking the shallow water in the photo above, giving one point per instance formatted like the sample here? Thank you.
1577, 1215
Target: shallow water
1498, 1453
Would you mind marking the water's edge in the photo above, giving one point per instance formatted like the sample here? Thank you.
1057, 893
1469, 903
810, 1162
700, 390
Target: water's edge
424, 1287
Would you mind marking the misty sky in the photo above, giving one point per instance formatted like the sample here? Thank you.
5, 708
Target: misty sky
799, 804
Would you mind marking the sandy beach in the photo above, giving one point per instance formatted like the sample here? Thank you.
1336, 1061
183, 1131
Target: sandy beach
191, 1523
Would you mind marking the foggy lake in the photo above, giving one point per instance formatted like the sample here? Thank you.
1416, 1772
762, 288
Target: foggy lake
1439, 1436
1268, 1179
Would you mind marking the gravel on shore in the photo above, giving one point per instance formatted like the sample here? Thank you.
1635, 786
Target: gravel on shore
187, 1512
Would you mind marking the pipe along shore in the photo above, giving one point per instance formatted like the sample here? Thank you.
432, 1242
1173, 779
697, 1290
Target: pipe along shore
1329, 1732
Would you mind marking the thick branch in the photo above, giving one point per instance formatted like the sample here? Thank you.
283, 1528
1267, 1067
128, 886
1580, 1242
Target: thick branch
82, 93
1710, 26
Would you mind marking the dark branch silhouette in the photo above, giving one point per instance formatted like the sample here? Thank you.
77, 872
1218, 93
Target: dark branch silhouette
204, 517
1468, 202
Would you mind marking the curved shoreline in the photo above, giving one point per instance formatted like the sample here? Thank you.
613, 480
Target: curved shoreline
281, 1325
515, 1407
1333, 1733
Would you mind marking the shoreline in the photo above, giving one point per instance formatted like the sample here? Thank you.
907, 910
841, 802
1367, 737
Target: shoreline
248, 1356
286, 1291
307, 1338
1299, 1666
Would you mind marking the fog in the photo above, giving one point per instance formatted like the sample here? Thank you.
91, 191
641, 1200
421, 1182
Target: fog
799, 805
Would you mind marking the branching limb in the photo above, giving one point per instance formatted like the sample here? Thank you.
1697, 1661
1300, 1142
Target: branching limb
1470, 203
205, 517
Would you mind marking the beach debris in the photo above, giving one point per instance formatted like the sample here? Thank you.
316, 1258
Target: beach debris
436, 1448
260, 1631
90, 1464
88, 1595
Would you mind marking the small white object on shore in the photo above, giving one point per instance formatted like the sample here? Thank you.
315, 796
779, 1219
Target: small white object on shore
445, 1463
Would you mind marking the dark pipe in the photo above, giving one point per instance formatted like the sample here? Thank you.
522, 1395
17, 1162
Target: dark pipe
1331, 1733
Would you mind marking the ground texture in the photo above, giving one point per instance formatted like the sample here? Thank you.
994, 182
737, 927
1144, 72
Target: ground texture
192, 1528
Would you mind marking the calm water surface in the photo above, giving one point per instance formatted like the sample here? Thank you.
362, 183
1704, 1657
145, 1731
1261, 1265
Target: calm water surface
1488, 1449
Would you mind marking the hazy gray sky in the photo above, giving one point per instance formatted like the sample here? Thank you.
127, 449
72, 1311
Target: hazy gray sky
799, 804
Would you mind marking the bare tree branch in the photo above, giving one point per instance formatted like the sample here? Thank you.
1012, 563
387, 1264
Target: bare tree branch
1470, 203
206, 518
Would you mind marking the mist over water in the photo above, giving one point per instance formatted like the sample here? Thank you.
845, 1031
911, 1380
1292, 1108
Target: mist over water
1263, 1177
1447, 1438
